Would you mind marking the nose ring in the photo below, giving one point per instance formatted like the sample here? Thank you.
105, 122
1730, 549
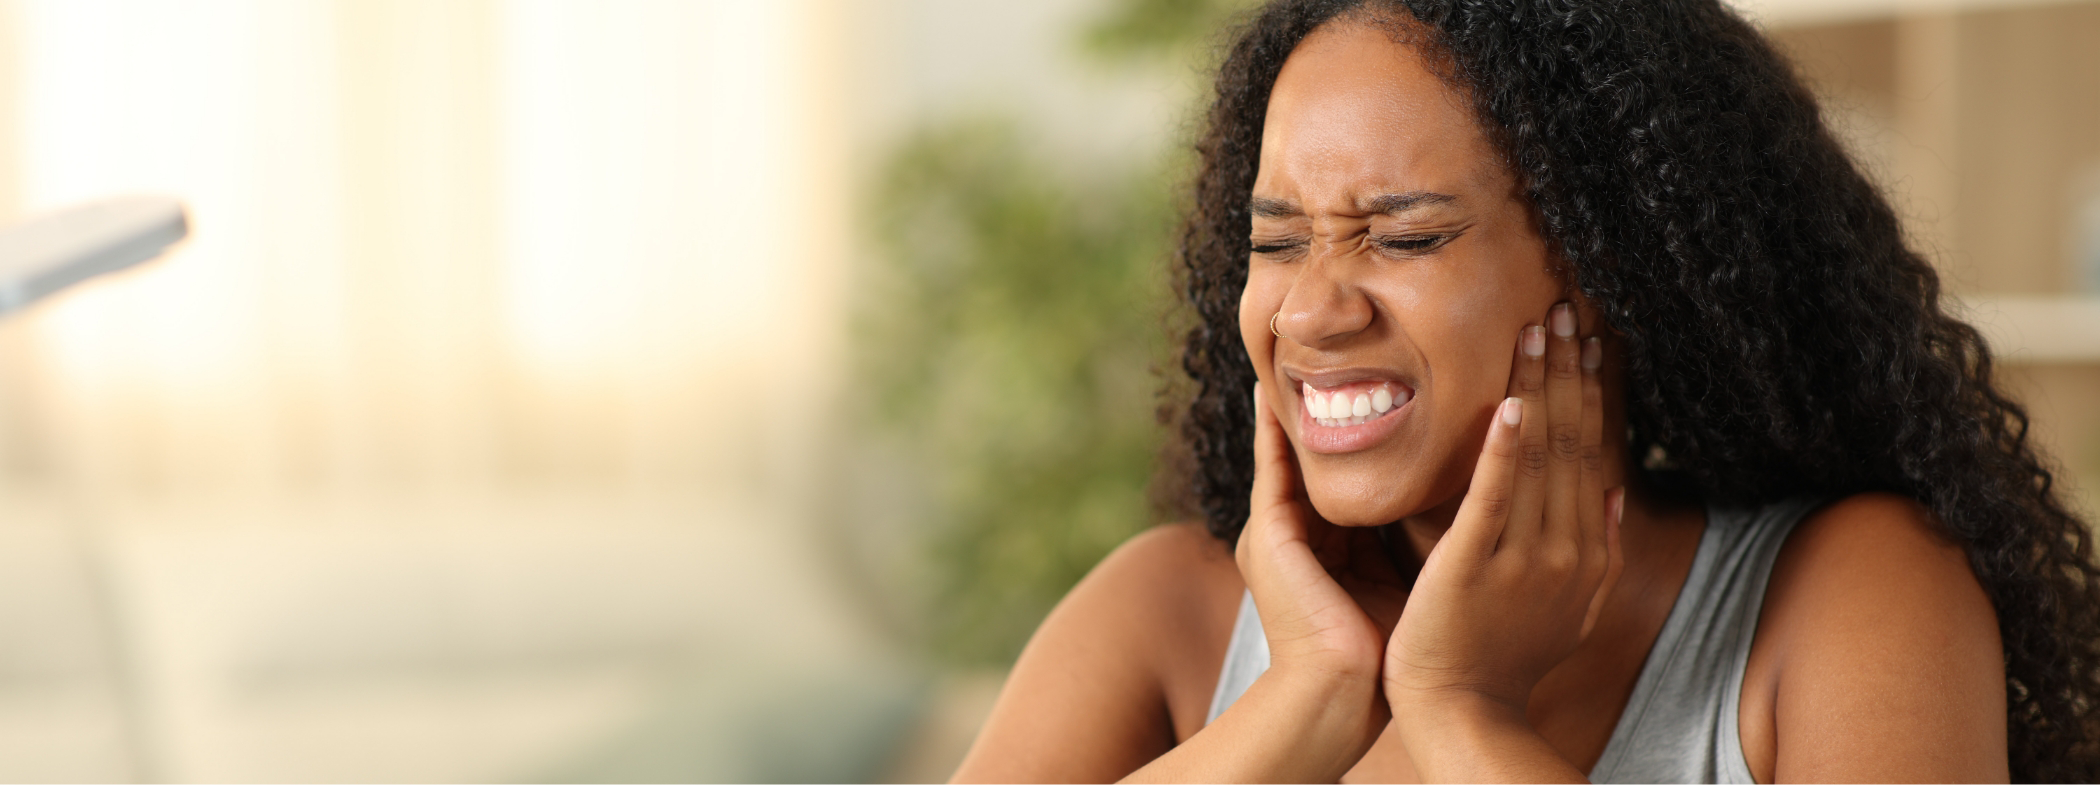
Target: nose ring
1272, 324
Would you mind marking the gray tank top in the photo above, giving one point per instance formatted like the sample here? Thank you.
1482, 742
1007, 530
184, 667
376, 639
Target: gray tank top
1680, 722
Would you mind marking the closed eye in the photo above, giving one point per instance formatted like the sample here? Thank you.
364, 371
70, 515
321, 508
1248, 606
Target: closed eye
1414, 243
1275, 247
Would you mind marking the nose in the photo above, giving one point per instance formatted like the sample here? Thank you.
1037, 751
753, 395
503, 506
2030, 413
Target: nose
1323, 308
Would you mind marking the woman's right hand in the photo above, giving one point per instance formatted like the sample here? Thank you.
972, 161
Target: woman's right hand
1328, 595
1328, 598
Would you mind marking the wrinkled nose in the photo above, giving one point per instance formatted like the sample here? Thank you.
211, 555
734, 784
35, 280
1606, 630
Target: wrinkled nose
1323, 308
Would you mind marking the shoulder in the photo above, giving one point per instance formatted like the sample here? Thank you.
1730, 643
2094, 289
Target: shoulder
1164, 569
1874, 553
1877, 652
1121, 669
1168, 597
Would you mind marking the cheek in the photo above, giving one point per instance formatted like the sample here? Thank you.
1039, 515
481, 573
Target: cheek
1470, 364
1472, 339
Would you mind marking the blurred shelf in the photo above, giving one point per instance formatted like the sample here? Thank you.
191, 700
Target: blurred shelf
2037, 329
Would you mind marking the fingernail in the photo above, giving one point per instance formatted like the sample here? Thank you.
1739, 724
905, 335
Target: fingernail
1592, 354
1534, 341
1512, 411
1564, 320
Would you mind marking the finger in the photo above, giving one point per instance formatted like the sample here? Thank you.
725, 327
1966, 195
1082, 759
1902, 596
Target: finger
1566, 515
1527, 382
1275, 476
1279, 551
1279, 547
1590, 494
1615, 561
1275, 479
1483, 518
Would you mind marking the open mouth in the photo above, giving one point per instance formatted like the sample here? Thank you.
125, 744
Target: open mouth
1353, 404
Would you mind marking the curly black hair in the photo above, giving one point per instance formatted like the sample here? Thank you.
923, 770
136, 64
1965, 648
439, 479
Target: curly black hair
1779, 337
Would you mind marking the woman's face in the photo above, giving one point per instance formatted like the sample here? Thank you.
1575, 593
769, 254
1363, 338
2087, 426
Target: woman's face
1400, 261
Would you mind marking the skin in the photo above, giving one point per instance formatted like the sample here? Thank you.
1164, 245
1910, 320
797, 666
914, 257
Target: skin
1390, 247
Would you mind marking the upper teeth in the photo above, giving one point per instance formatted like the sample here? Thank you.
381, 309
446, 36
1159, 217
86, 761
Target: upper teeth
1341, 408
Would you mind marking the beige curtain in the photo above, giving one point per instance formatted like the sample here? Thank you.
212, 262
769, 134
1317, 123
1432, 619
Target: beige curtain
439, 247
453, 443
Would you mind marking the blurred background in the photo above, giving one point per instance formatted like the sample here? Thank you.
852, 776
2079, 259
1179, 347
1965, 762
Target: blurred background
651, 391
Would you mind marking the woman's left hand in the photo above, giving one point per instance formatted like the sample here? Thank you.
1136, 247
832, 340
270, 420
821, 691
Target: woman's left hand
1518, 580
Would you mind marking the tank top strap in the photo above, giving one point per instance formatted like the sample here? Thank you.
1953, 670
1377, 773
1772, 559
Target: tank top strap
1680, 722
1246, 657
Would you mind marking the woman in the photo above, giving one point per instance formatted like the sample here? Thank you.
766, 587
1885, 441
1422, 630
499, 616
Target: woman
1455, 265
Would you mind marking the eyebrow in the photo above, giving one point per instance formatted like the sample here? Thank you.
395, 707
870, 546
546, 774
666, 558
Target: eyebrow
1403, 202
1382, 203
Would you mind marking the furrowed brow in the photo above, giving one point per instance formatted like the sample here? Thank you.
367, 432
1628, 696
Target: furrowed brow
1403, 202
1272, 208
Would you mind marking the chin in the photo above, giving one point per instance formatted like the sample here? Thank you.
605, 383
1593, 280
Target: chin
1360, 490
1346, 500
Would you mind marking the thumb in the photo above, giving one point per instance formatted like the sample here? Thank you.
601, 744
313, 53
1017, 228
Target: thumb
1275, 480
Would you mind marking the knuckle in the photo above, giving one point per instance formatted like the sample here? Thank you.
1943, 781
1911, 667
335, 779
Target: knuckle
1592, 457
1563, 367
1494, 505
1566, 440
1531, 458
1561, 560
1530, 382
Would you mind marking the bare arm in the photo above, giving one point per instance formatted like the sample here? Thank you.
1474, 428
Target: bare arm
1879, 654
1290, 726
1084, 705
1088, 698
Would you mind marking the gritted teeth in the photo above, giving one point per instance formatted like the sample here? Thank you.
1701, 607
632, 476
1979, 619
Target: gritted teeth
1353, 404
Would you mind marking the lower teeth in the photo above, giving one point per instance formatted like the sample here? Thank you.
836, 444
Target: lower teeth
1346, 421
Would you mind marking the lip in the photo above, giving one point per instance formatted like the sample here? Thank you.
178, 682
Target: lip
1348, 438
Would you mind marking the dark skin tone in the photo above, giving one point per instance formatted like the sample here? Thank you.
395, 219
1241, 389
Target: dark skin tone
1389, 251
